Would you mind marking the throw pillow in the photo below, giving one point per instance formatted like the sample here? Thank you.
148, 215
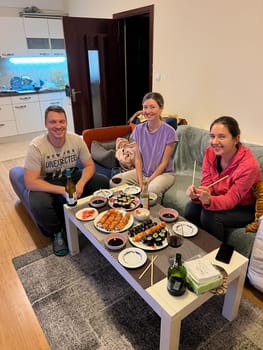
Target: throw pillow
125, 153
258, 192
103, 153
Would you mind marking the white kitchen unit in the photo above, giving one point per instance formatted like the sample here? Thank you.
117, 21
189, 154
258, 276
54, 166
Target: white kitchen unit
68, 109
48, 99
56, 36
7, 119
44, 36
37, 36
12, 37
27, 113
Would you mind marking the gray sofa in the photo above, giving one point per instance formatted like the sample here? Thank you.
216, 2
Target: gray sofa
191, 146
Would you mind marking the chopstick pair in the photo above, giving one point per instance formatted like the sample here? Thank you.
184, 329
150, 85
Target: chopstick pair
151, 265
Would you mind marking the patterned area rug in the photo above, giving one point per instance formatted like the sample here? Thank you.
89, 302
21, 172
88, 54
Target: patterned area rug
82, 303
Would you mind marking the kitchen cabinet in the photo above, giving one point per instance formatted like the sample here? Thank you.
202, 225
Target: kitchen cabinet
68, 109
56, 36
27, 113
49, 99
37, 36
12, 37
44, 36
7, 119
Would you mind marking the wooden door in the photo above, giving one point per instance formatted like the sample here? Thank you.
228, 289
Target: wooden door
99, 102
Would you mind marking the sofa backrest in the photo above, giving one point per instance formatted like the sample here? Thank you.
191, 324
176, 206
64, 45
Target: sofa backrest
192, 145
107, 133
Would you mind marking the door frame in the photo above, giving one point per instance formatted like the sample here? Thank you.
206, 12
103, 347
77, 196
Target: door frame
141, 11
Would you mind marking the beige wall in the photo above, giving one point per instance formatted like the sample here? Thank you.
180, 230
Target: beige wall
208, 53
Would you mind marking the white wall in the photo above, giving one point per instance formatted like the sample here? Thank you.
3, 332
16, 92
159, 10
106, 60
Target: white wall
57, 5
209, 54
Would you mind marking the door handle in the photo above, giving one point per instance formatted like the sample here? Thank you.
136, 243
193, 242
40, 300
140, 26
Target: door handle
74, 92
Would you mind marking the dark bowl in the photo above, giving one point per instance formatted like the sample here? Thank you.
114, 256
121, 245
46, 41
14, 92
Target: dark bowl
168, 214
115, 241
98, 201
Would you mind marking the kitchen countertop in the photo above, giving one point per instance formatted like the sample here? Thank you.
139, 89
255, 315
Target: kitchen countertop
27, 92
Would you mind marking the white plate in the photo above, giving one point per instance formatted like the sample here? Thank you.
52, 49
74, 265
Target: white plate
185, 228
132, 190
102, 229
86, 214
132, 258
137, 202
146, 247
103, 193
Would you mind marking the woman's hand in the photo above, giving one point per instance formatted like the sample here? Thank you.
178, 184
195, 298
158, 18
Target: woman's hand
192, 192
204, 194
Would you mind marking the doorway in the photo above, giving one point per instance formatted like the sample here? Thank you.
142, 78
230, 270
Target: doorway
136, 28
122, 49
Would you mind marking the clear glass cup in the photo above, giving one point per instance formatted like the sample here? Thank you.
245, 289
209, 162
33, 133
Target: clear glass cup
174, 239
116, 175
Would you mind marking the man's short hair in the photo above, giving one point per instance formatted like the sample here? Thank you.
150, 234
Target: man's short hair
54, 108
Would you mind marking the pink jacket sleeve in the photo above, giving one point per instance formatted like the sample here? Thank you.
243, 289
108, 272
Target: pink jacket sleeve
242, 173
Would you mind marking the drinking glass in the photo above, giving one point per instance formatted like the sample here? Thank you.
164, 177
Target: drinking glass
174, 239
116, 175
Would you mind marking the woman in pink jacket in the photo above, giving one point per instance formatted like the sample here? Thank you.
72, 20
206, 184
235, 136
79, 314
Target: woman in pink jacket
230, 202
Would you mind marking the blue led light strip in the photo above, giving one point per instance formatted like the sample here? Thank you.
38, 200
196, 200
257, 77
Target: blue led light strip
32, 60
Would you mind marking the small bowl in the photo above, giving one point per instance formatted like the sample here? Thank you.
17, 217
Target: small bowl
141, 214
168, 214
115, 241
98, 201
152, 198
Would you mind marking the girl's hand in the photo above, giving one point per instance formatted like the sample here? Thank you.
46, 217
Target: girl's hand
192, 192
204, 195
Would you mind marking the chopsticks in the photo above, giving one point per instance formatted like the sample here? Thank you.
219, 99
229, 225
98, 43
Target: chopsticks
213, 183
193, 180
147, 268
152, 272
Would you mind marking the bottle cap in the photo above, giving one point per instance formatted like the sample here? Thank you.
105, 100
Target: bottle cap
68, 172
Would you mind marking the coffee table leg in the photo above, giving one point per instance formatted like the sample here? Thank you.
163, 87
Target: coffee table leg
72, 235
170, 333
233, 295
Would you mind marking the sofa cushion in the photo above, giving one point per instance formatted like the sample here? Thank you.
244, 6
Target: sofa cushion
103, 153
175, 196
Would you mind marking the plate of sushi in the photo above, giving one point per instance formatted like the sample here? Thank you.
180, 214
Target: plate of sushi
113, 220
124, 201
149, 235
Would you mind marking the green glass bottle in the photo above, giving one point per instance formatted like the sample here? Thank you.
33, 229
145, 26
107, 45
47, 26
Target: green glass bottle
176, 283
70, 189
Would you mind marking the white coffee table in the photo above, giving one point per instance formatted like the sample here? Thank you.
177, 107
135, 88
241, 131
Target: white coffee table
172, 310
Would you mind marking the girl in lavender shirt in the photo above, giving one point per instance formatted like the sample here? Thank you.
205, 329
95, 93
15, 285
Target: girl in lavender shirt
155, 142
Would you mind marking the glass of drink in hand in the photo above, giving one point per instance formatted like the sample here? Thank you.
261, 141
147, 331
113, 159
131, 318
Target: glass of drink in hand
174, 239
116, 175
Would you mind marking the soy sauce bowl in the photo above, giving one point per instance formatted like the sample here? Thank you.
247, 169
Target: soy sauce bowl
115, 241
168, 214
98, 201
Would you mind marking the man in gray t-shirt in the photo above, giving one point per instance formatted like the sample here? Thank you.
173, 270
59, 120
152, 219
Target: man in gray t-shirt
47, 159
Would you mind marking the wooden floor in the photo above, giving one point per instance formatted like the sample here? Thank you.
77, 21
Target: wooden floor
19, 328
